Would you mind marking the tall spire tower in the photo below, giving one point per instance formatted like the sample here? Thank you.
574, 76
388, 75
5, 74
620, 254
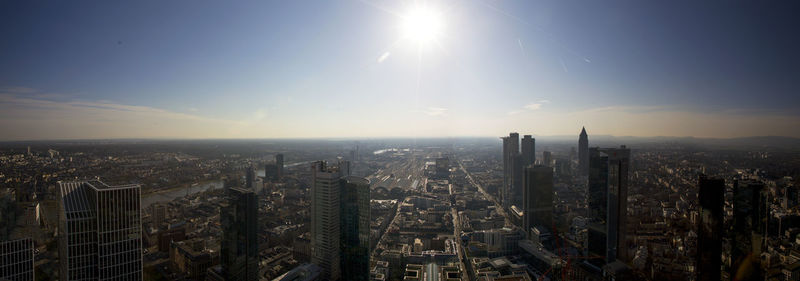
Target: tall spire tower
583, 152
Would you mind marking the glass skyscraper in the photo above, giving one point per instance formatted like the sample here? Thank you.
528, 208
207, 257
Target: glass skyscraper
538, 198
100, 231
711, 196
239, 247
354, 228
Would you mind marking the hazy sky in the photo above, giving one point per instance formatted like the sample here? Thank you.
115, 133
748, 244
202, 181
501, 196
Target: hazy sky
265, 69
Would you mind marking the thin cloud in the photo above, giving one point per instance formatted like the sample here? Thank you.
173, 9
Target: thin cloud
522, 48
533, 106
384, 57
436, 111
32, 118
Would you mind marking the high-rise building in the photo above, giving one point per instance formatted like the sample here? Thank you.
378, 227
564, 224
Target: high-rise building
354, 228
547, 158
100, 231
711, 195
325, 219
16, 260
159, 214
618, 166
608, 200
750, 213
249, 177
528, 150
597, 195
279, 164
238, 246
583, 152
537, 198
510, 160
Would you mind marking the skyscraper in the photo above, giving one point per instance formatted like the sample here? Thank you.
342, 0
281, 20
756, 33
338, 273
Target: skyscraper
597, 196
100, 231
711, 195
528, 150
325, 219
750, 213
547, 158
16, 260
279, 164
510, 159
583, 152
537, 198
607, 199
249, 177
354, 228
239, 248
618, 165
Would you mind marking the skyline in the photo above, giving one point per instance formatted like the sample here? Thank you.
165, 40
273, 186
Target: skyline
341, 70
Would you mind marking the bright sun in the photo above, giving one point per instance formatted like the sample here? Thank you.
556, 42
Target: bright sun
422, 25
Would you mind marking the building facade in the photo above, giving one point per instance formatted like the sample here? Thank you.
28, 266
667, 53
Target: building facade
16, 260
325, 218
100, 231
711, 196
354, 228
239, 244
538, 198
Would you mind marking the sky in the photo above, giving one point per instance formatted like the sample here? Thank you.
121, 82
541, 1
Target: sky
341, 69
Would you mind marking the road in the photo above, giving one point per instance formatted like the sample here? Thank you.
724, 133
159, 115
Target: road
488, 196
459, 248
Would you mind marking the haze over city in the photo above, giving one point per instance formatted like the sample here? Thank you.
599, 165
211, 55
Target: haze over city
400, 140
289, 69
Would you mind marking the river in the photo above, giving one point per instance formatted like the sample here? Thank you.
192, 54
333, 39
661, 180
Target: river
149, 199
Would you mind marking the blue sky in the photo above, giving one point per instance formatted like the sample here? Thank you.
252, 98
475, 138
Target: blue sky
264, 69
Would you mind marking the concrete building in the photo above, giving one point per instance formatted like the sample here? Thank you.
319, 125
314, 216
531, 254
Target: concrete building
583, 152
325, 219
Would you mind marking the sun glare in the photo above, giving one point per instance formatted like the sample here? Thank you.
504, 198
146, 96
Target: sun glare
422, 25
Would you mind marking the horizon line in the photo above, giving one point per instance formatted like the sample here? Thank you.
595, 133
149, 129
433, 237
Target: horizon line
382, 138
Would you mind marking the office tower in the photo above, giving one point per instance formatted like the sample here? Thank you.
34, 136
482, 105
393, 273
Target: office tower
711, 195
354, 228
510, 154
239, 248
608, 201
249, 177
618, 166
547, 158
538, 198
159, 214
16, 260
344, 168
325, 219
100, 231
750, 213
528, 150
279, 164
597, 196
517, 171
583, 152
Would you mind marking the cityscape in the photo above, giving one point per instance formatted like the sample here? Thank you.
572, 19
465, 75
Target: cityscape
408, 140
